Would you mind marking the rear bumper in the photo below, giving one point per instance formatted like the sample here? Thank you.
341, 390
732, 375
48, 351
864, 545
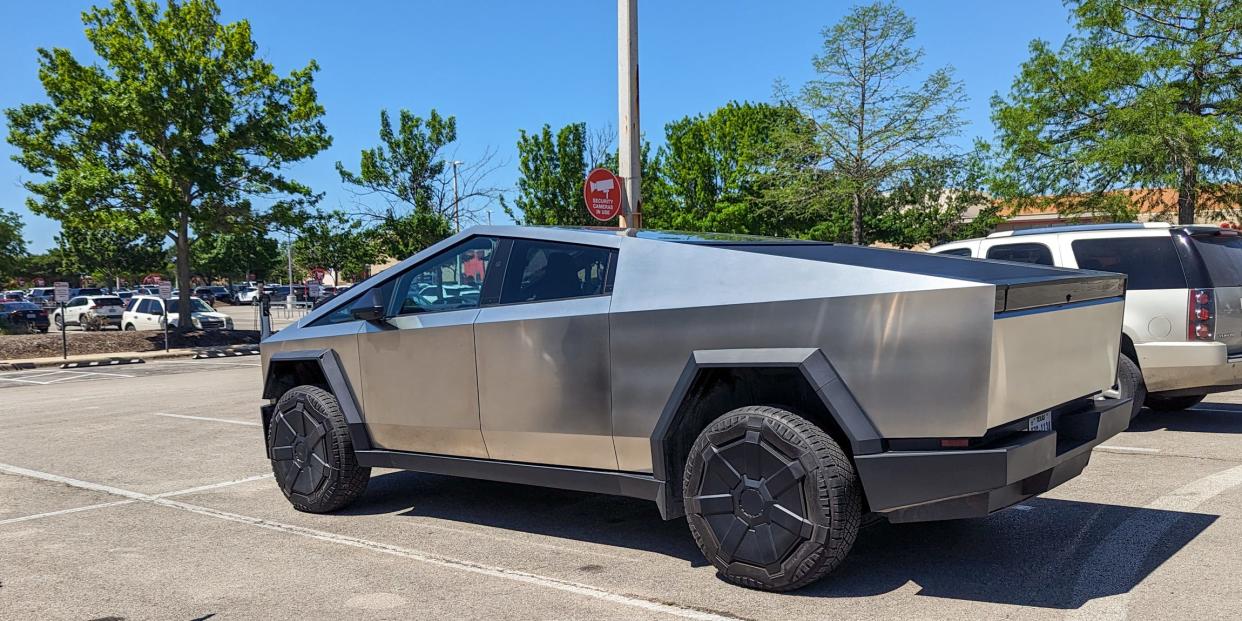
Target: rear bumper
1188, 367
917, 486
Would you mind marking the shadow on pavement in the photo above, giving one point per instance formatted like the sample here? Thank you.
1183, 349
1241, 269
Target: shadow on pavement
581, 516
1058, 554
1207, 417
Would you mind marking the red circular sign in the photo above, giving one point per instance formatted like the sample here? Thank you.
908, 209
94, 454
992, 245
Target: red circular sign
602, 193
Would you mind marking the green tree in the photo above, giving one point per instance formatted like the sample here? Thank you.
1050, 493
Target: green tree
12, 245
1143, 96
336, 242
875, 123
111, 254
713, 169
551, 171
237, 255
177, 129
405, 185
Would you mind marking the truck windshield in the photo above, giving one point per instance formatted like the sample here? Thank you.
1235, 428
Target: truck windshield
1222, 256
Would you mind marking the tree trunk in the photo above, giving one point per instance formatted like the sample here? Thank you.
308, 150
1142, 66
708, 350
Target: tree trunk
1188, 193
856, 236
184, 323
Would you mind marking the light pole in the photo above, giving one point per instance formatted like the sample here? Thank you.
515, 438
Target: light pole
456, 207
629, 153
290, 299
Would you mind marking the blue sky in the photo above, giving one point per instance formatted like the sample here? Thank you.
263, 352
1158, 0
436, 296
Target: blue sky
500, 66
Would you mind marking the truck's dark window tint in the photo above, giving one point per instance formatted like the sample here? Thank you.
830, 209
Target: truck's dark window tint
957, 252
550, 271
450, 281
1222, 256
1022, 253
1147, 262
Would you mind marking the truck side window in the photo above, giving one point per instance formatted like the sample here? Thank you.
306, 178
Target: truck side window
540, 271
1147, 262
957, 252
1022, 253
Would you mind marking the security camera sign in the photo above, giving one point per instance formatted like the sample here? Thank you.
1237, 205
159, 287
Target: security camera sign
602, 193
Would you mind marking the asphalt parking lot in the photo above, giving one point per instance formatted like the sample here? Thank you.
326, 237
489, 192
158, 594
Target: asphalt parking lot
142, 492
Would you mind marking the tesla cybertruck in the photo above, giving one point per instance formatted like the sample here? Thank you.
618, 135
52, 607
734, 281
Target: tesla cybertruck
771, 391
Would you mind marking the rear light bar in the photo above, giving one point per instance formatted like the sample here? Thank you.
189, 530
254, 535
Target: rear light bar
1201, 323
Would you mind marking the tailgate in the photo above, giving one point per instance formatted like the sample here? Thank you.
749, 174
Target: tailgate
1048, 355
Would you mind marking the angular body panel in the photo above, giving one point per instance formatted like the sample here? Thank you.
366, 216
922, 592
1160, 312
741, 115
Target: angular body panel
582, 383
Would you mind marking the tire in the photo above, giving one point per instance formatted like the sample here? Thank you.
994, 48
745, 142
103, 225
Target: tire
312, 453
754, 477
1130, 384
129, 327
59, 321
1173, 404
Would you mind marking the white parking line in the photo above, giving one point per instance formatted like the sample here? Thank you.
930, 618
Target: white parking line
383, 548
1119, 559
209, 419
66, 375
65, 511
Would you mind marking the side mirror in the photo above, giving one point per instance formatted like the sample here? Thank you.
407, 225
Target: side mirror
369, 307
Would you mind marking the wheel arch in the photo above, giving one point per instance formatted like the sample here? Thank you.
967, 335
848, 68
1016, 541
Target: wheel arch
316, 367
713, 382
1127, 347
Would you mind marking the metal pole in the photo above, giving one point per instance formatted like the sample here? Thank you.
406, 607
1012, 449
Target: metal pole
456, 206
64, 339
629, 156
164, 304
290, 298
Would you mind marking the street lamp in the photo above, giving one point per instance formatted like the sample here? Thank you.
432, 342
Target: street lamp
456, 208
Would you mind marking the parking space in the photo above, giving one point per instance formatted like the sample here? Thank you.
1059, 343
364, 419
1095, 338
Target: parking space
148, 496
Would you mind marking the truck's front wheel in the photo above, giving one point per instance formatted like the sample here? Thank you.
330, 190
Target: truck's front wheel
772, 500
312, 453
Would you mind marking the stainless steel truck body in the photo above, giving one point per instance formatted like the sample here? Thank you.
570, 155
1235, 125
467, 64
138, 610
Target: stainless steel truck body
770, 390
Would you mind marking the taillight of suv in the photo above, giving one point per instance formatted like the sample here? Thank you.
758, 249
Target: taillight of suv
1202, 321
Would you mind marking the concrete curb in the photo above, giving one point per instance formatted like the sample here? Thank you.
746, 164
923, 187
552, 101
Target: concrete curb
227, 353
22, 365
102, 362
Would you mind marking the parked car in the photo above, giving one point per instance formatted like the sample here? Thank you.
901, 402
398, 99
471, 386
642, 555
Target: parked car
43, 296
13, 296
88, 291
146, 312
1182, 335
107, 308
837, 378
26, 314
248, 295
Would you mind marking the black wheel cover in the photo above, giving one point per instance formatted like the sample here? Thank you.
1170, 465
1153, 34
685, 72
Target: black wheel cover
752, 496
300, 451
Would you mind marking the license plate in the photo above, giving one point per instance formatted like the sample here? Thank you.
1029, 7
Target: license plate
31, 315
1040, 422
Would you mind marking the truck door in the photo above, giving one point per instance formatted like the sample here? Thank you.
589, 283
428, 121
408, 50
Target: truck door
419, 384
543, 357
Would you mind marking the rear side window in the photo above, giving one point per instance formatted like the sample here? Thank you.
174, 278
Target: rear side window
541, 271
957, 252
1222, 256
1147, 262
1022, 253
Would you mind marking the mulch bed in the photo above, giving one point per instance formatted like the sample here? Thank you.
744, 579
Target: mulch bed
25, 346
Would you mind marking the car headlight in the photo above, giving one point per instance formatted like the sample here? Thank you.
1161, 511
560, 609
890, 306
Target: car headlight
197, 323
228, 323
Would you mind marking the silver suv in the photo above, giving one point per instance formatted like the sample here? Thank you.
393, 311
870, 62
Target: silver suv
1182, 335
770, 391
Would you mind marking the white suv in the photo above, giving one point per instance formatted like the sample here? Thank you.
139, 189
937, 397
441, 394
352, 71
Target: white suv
146, 312
1182, 335
107, 307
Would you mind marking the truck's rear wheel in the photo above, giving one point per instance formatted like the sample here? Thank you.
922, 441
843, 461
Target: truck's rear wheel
1173, 404
772, 501
312, 453
1130, 384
